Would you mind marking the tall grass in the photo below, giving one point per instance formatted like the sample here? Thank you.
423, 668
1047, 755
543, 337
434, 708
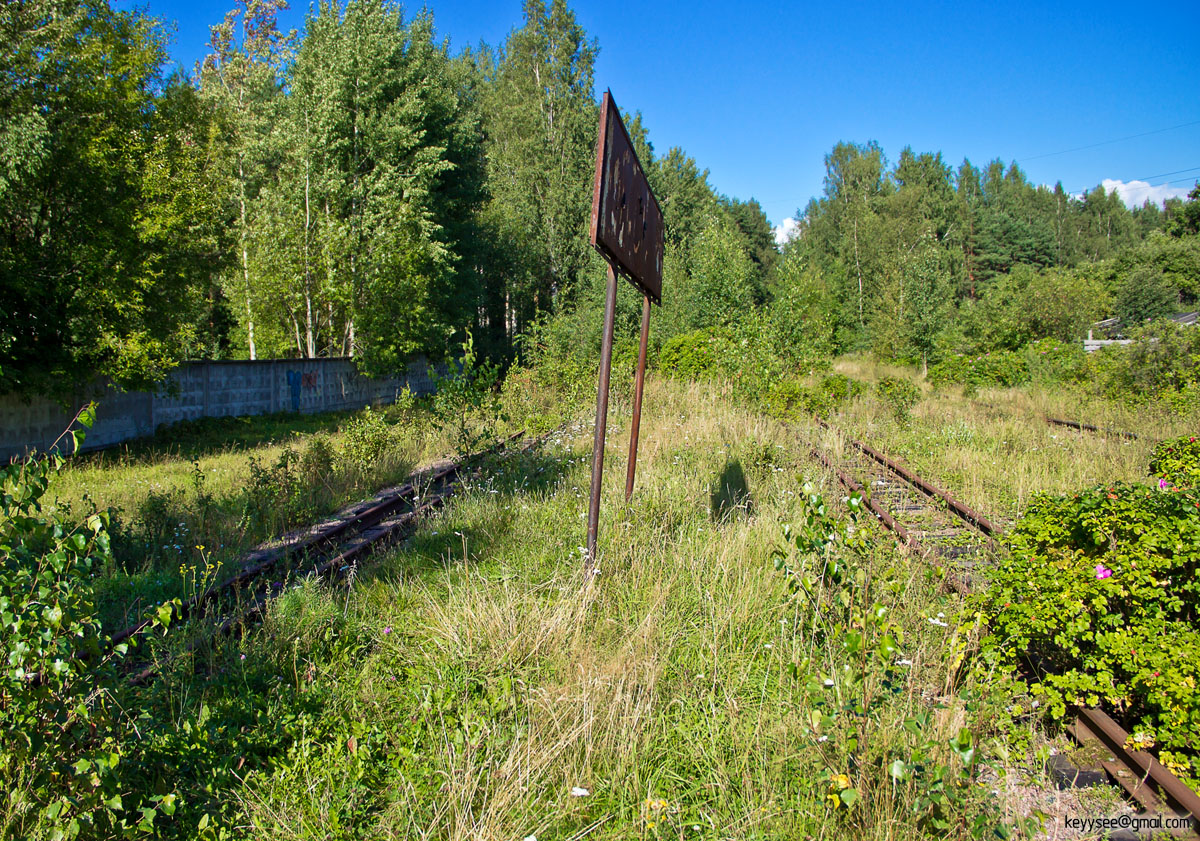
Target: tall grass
472, 684
193, 503
497, 680
995, 450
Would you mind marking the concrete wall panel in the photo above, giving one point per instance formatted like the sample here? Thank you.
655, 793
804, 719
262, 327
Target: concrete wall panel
204, 389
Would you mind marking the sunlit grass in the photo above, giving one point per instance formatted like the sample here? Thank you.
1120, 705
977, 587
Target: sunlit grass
995, 450
662, 687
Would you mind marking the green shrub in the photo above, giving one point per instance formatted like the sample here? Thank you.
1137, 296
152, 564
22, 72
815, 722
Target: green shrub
368, 438
1177, 461
833, 392
467, 403
62, 731
1003, 368
787, 400
1051, 361
319, 460
1044, 361
693, 356
1162, 362
900, 395
1101, 594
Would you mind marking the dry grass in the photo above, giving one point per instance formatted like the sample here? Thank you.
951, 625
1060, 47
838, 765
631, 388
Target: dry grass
995, 450
663, 686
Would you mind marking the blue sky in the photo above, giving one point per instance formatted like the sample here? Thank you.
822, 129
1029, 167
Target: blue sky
758, 93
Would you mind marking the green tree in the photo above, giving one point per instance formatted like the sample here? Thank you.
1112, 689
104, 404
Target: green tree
1185, 220
723, 276
372, 203
96, 268
686, 199
541, 130
241, 77
1144, 295
752, 222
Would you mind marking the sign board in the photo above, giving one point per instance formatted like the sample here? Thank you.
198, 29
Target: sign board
627, 226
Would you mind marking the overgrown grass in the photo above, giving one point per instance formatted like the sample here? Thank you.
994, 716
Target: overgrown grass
470, 683
190, 502
466, 684
995, 450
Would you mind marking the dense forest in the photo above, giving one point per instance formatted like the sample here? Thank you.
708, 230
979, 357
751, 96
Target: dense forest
358, 190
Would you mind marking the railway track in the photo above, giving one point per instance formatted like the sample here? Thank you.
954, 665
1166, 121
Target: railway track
1087, 427
951, 534
930, 520
328, 550
1079, 426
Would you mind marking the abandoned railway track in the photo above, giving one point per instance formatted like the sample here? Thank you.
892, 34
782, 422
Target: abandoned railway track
1087, 427
921, 516
1078, 426
328, 550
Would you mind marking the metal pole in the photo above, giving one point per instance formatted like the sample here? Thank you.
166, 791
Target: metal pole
610, 312
631, 469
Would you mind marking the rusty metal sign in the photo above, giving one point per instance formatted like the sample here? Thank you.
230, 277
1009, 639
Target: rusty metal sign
627, 224
627, 230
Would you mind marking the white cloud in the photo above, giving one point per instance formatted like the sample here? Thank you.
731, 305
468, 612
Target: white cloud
1135, 193
786, 229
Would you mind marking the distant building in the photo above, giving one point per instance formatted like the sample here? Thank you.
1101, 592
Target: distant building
1110, 331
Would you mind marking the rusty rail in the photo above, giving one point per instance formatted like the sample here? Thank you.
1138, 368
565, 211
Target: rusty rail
1139, 774
333, 568
1149, 781
878, 510
262, 561
964, 511
372, 522
1090, 428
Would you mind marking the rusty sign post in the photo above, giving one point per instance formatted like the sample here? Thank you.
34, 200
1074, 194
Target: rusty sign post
627, 230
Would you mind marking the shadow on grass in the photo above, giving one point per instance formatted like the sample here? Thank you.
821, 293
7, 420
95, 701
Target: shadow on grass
730, 495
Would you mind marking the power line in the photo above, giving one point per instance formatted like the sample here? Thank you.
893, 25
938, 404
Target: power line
1165, 174
1107, 142
1146, 179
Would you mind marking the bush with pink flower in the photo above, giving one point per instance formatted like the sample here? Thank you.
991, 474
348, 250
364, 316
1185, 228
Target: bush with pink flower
1098, 601
1177, 461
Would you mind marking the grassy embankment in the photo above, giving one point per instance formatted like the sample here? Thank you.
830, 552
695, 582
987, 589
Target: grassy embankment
193, 499
465, 683
470, 680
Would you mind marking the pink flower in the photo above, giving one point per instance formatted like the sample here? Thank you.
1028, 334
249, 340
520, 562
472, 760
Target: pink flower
1102, 571
388, 629
1162, 484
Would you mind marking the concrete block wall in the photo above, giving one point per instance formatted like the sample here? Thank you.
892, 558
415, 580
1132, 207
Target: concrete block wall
200, 390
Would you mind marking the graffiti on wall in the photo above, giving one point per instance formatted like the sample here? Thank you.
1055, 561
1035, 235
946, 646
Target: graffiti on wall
298, 380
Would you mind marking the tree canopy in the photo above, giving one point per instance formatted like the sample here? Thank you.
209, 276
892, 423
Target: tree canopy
357, 190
